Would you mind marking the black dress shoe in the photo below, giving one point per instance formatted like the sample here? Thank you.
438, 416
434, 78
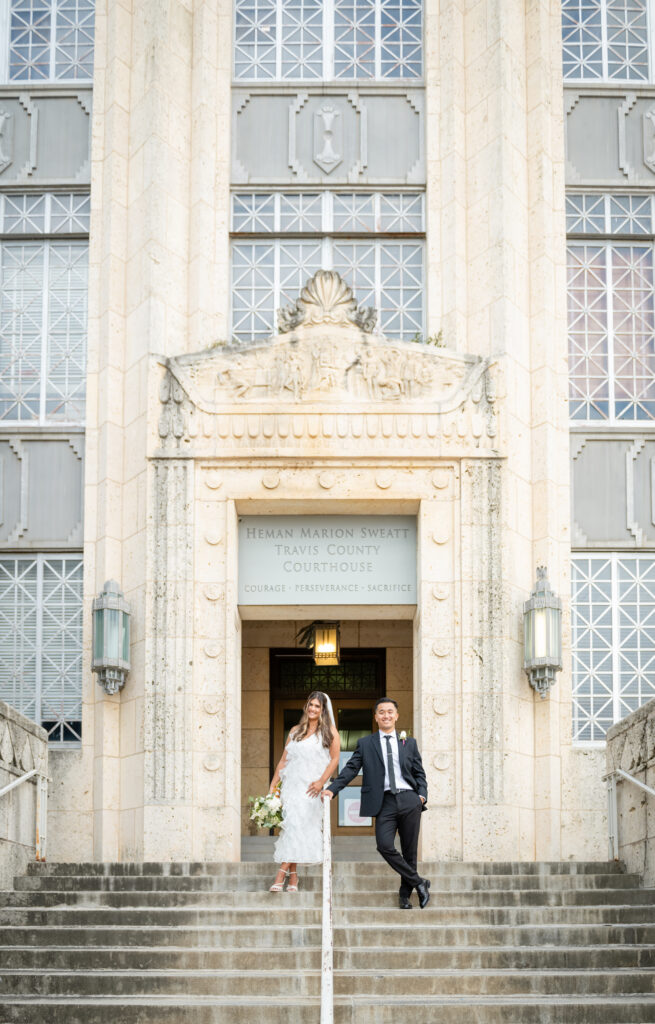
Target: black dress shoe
423, 891
404, 903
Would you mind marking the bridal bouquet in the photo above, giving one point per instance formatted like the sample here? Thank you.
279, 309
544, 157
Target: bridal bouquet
266, 811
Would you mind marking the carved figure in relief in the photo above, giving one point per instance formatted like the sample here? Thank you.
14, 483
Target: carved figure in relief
295, 376
325, 369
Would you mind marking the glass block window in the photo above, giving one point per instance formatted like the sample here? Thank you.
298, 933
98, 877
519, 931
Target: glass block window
605, 40
606, 214
611, 318
281, 40
349, 212
269, 273
43, 307
613, 640
41, 641
51, 40
49, 213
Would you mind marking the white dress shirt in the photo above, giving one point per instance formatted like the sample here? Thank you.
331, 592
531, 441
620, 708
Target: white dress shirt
400, 781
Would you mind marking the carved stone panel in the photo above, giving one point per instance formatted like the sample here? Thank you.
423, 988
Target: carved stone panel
328, 137
44, 137
610, 137
326, 377
41, 498
621, 470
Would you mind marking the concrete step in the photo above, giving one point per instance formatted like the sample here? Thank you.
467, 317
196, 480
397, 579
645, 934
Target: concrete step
434, 868
270, 909
205, 943
381, 880
276, 983
159, 958
348, 1010
422, 935
261, 898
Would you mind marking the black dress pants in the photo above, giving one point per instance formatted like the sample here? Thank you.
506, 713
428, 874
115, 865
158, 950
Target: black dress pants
400, 812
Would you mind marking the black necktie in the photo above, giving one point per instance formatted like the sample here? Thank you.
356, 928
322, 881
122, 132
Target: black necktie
392, 774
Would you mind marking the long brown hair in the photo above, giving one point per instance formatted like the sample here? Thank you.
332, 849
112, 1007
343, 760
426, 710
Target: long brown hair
324, 727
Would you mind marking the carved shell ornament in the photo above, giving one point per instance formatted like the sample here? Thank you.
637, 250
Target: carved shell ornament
326, 299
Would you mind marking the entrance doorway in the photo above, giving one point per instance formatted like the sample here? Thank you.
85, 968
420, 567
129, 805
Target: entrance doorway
353, 686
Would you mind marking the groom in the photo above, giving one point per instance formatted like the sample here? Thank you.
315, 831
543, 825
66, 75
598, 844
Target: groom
394, 791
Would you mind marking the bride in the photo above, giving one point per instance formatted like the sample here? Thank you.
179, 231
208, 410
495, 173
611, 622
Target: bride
310, 757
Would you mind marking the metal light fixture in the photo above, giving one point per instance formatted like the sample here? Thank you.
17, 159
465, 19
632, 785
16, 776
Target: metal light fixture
111, 637
542, 620
324, 641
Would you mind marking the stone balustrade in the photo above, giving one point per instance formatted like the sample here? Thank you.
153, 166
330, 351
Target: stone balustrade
631, 747
23, 746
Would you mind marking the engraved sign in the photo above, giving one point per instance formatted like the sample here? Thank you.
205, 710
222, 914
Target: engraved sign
327, 560
328, 138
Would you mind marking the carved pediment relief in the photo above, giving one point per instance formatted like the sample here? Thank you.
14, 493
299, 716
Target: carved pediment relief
325, 364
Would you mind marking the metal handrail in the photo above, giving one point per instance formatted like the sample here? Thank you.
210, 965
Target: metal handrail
612, 807
327, 938
41, 823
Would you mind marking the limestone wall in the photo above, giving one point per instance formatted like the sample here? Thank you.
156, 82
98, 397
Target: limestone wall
23, 746
631, 746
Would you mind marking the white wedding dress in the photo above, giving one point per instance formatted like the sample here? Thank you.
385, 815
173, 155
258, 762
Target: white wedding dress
301, 836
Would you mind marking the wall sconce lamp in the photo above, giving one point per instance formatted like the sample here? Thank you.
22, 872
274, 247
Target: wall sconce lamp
542, 632
324, 641
111, 637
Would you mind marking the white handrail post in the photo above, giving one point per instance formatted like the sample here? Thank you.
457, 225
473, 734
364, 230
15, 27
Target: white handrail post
41, 816
327, 942
612, 817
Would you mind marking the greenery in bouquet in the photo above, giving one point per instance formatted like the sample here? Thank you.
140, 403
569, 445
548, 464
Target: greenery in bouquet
266, 811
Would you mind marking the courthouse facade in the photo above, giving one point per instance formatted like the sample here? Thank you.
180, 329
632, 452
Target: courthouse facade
283, 338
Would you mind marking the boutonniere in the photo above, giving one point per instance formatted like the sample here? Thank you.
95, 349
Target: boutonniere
403, 737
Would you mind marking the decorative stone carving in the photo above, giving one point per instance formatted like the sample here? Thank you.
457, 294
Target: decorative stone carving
167, 724
328, 137
6, 139
271, 479
328, 380
484, 621
325, 299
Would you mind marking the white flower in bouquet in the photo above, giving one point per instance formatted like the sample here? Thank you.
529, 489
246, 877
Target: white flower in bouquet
266, 811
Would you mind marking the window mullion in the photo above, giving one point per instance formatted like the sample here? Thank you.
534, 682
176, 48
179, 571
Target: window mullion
45, 303
378, 40
328, 40
53, 40
610, 332
616, 640
327, 254
38, 666
277, 299
278, 41
603, 40
377, 255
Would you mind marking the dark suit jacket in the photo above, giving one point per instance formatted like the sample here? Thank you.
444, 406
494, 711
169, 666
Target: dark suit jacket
368, 755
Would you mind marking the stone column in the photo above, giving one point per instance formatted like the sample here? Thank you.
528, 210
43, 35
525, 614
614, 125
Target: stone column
158, 284
437, 677
216, 675
549, 395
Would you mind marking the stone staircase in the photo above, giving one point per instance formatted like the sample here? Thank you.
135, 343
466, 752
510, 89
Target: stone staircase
201, 943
